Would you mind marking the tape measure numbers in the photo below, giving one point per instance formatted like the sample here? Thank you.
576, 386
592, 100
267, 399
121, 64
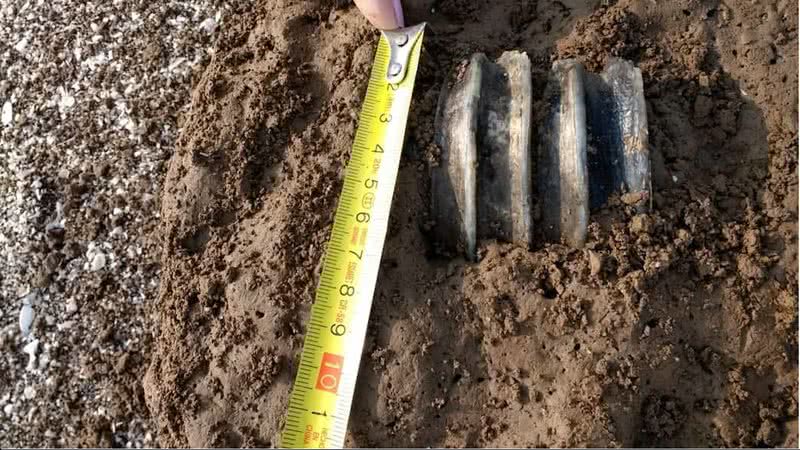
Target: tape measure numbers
319, 406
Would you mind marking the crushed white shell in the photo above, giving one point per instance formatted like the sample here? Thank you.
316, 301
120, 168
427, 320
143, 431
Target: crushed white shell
21, 45
29, 392
209, 25
25, 319
98, 262
31, 348
8, 113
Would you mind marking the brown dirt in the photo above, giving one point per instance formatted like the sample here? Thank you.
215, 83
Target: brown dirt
677, 327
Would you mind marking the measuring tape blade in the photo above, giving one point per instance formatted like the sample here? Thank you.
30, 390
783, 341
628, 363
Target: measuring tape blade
319, 406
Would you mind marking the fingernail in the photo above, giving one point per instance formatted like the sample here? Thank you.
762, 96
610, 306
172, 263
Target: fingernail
398, 13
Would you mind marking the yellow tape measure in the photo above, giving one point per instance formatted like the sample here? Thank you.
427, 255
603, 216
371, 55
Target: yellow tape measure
319, 406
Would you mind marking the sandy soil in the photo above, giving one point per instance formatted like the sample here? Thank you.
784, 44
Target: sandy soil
677, 327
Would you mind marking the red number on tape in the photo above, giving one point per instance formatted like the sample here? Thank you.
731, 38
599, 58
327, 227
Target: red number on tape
329, 372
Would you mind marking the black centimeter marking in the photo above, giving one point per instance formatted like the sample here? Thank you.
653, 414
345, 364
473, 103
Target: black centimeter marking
305, 376
327, 277
332, 247
316, 324
292, 430
325, 285
325, 303
314, 342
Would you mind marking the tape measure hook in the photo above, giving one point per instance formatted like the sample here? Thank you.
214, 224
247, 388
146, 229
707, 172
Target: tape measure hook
401, 42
